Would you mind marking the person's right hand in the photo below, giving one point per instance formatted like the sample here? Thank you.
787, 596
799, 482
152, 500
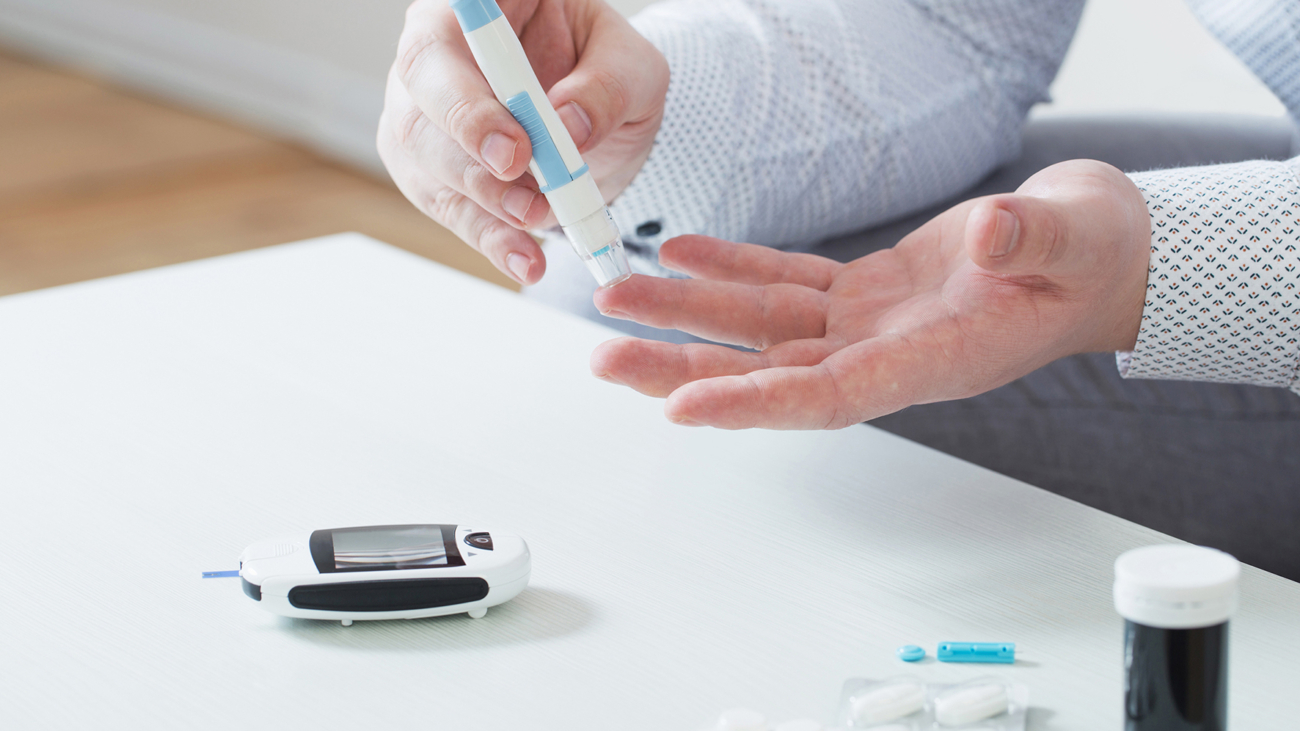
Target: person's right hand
458, 155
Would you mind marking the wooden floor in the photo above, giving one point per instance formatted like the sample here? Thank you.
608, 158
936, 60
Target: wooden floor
95, 181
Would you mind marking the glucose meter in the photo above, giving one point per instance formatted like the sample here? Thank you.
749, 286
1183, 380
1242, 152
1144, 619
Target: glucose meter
385, 572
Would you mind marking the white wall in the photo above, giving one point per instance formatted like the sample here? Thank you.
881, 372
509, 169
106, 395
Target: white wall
1152, 56
313, 70
359, 36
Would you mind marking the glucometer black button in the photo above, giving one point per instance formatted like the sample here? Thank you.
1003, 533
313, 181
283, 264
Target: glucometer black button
479, 540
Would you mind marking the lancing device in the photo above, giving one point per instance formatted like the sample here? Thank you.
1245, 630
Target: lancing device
563, 176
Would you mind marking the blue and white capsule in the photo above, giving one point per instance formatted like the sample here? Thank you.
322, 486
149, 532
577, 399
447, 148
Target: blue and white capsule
563, 176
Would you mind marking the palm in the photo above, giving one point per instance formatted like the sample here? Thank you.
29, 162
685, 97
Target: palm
940, 313
837, 344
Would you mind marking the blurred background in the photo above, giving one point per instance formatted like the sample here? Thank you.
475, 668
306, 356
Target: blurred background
139, 133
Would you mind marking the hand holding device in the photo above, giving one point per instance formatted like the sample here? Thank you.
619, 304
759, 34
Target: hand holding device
460, 156
984, 293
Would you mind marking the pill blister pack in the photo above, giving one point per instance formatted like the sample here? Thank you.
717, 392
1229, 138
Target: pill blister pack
906, 703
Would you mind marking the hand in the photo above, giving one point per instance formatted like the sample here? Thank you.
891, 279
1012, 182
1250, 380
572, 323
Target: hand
458, 155
982, 294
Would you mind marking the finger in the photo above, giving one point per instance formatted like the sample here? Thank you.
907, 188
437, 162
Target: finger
741, 314
775, 398
512, 251
869, 379
1025, 235
516, 202
435, 65
1079, 218
620, 78
1015, 234
657, 369
705, 257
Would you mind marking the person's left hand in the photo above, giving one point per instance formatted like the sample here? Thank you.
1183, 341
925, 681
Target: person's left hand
979, 296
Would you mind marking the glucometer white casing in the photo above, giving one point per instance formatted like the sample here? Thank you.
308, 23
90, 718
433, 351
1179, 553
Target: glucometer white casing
385, 572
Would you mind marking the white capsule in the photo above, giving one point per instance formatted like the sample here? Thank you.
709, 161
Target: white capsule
971, 703
741, 719
887, 703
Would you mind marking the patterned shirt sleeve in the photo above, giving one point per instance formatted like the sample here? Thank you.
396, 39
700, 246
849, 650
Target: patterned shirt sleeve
790, 121
1223, 286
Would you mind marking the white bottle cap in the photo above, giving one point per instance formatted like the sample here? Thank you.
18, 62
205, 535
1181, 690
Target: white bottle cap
1176, 586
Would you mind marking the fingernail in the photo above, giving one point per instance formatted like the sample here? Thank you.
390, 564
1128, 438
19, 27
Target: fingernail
498, 152
683, 421
517, 201
576, 121
615, 314
519, 264
608, 378
1005, 234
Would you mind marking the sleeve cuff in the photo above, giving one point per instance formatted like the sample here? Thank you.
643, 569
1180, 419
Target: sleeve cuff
1223, 284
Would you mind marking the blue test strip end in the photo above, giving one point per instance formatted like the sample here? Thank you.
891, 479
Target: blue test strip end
999, 652
910, 653
221, 574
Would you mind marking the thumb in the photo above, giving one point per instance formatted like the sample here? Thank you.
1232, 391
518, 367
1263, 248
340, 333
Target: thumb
1017, 234
620, 78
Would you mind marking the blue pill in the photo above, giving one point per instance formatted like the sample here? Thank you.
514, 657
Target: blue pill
910, 653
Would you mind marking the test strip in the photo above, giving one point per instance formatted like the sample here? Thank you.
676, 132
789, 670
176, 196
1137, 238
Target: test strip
220, 574
999, 652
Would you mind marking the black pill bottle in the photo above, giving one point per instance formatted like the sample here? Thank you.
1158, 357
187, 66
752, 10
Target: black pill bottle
1176, 601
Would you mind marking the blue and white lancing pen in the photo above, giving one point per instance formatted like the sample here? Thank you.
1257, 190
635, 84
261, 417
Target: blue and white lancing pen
559, 169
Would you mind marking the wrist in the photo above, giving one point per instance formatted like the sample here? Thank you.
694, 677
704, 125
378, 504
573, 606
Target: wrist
1118, 305
1132, 294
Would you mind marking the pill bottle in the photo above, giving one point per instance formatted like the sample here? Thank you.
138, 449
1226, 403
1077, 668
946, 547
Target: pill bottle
1176, 601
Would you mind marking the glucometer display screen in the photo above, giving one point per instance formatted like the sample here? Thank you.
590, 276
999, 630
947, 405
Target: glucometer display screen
397, 547
385, 548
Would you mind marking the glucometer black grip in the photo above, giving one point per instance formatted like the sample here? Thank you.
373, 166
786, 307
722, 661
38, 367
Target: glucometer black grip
392, 595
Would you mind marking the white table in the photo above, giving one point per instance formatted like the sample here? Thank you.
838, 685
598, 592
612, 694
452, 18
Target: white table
153, 424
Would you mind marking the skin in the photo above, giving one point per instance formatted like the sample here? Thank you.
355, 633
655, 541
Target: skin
986, 292
458, 155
